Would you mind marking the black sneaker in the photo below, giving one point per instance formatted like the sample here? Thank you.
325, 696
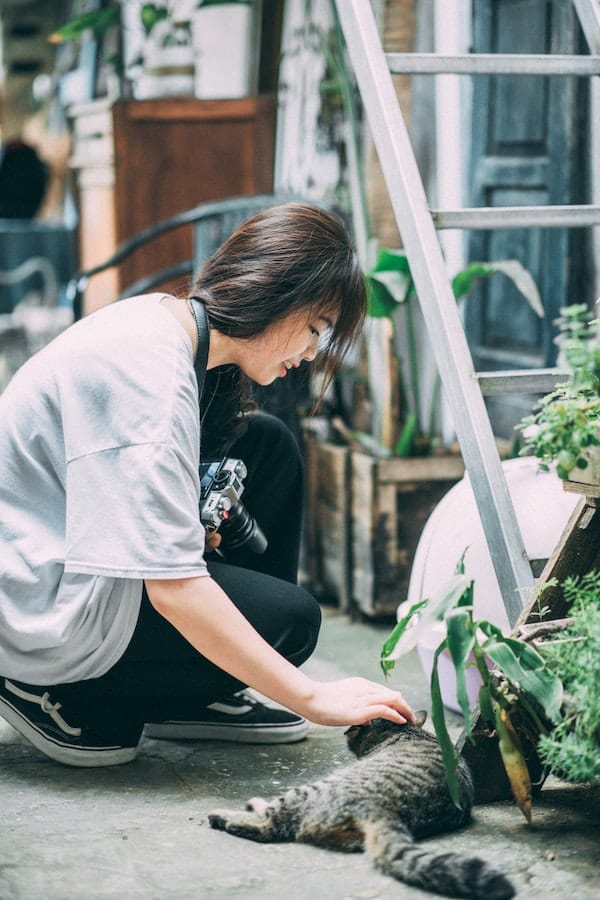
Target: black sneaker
239, 718
39, 720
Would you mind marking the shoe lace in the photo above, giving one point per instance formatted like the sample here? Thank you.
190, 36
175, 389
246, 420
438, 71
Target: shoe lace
46, 705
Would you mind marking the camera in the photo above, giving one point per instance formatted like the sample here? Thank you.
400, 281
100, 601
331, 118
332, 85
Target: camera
221, 486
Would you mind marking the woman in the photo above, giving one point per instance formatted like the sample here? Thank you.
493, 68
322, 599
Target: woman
110, 616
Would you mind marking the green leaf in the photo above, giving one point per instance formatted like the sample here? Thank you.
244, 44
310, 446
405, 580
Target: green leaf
387, 661
514, 659
99, 21
448, 751
450, 595
405, 442
389, 282
150, 14
460, 637
485, 705
387, 290
465, 280
390, 259
380, 303
459, 568
523, 282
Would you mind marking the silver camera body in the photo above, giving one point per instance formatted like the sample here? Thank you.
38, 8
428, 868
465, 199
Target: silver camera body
221, 486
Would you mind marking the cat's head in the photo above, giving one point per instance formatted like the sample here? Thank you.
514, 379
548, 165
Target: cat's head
362, 739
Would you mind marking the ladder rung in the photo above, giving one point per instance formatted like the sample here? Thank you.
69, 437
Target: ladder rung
492, 64
520, 381
517, 217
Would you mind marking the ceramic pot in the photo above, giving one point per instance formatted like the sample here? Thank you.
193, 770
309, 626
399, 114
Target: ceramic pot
222, 36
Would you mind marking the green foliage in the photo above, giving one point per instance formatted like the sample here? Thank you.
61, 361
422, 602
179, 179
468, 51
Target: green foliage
390, 285
572, 749
564, 424
512, 673
150, 14
99, 21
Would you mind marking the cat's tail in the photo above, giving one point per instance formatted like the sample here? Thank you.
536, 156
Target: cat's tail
454, 874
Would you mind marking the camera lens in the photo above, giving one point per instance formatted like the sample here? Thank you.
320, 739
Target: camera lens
240, 529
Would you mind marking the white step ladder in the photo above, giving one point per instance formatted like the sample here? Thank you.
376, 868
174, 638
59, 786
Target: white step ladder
463, 387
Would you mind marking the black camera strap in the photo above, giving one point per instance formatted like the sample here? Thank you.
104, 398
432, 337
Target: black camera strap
196, 307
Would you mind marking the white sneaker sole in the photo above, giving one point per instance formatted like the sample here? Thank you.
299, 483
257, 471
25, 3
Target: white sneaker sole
85, 757
237, 733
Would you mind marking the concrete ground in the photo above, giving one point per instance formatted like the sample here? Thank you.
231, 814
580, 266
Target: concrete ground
140, 832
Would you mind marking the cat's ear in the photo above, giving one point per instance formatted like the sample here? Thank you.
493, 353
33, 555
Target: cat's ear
420, 717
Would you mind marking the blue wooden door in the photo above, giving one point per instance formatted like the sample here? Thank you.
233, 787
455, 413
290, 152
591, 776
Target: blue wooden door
528, 147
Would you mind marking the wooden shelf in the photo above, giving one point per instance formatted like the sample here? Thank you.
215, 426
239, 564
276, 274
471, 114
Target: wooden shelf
140, 161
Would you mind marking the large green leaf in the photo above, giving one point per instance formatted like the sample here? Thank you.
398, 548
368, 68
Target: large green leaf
447, 748
389, 282
402, 639
514, 659
450, 595
465, 280
389, 258
387, 660
460, 637
385, 291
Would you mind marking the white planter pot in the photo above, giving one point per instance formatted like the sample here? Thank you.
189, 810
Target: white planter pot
223, 39
588, 476
168, 72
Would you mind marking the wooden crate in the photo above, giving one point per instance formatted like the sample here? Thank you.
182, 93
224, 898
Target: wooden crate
328, 521
390, 503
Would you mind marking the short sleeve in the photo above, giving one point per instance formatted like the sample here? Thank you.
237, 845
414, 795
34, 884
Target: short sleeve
132, 512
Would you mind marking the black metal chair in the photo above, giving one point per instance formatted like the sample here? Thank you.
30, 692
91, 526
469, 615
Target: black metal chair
211, 224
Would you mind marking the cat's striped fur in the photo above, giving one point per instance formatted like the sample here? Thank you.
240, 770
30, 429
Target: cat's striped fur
392, 795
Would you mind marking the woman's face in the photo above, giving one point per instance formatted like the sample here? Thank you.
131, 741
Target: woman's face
282, 346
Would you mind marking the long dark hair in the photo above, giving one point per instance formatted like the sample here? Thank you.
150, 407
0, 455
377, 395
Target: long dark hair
290, 258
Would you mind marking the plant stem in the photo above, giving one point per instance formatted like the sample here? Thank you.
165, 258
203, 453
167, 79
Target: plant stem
433, 404
413, 363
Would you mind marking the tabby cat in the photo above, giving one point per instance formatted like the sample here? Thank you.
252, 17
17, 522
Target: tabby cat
393, 793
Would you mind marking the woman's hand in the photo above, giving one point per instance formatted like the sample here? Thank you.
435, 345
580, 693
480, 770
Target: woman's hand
212, 540
355, 701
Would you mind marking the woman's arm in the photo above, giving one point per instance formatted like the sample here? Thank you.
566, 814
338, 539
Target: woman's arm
203, 613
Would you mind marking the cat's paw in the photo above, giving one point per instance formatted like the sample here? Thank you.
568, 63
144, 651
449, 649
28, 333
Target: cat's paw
242, 824
219, 818
258, 805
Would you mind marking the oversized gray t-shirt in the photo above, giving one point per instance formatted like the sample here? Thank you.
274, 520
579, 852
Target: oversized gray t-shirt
99, 447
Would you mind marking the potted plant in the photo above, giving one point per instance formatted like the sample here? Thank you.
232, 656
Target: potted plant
154, 52
563, 430
536, 700
204, 48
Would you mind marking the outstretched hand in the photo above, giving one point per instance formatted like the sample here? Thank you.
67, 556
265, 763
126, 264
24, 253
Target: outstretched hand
355, 701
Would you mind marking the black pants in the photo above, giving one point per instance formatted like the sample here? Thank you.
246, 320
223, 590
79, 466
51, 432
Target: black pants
160, 674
